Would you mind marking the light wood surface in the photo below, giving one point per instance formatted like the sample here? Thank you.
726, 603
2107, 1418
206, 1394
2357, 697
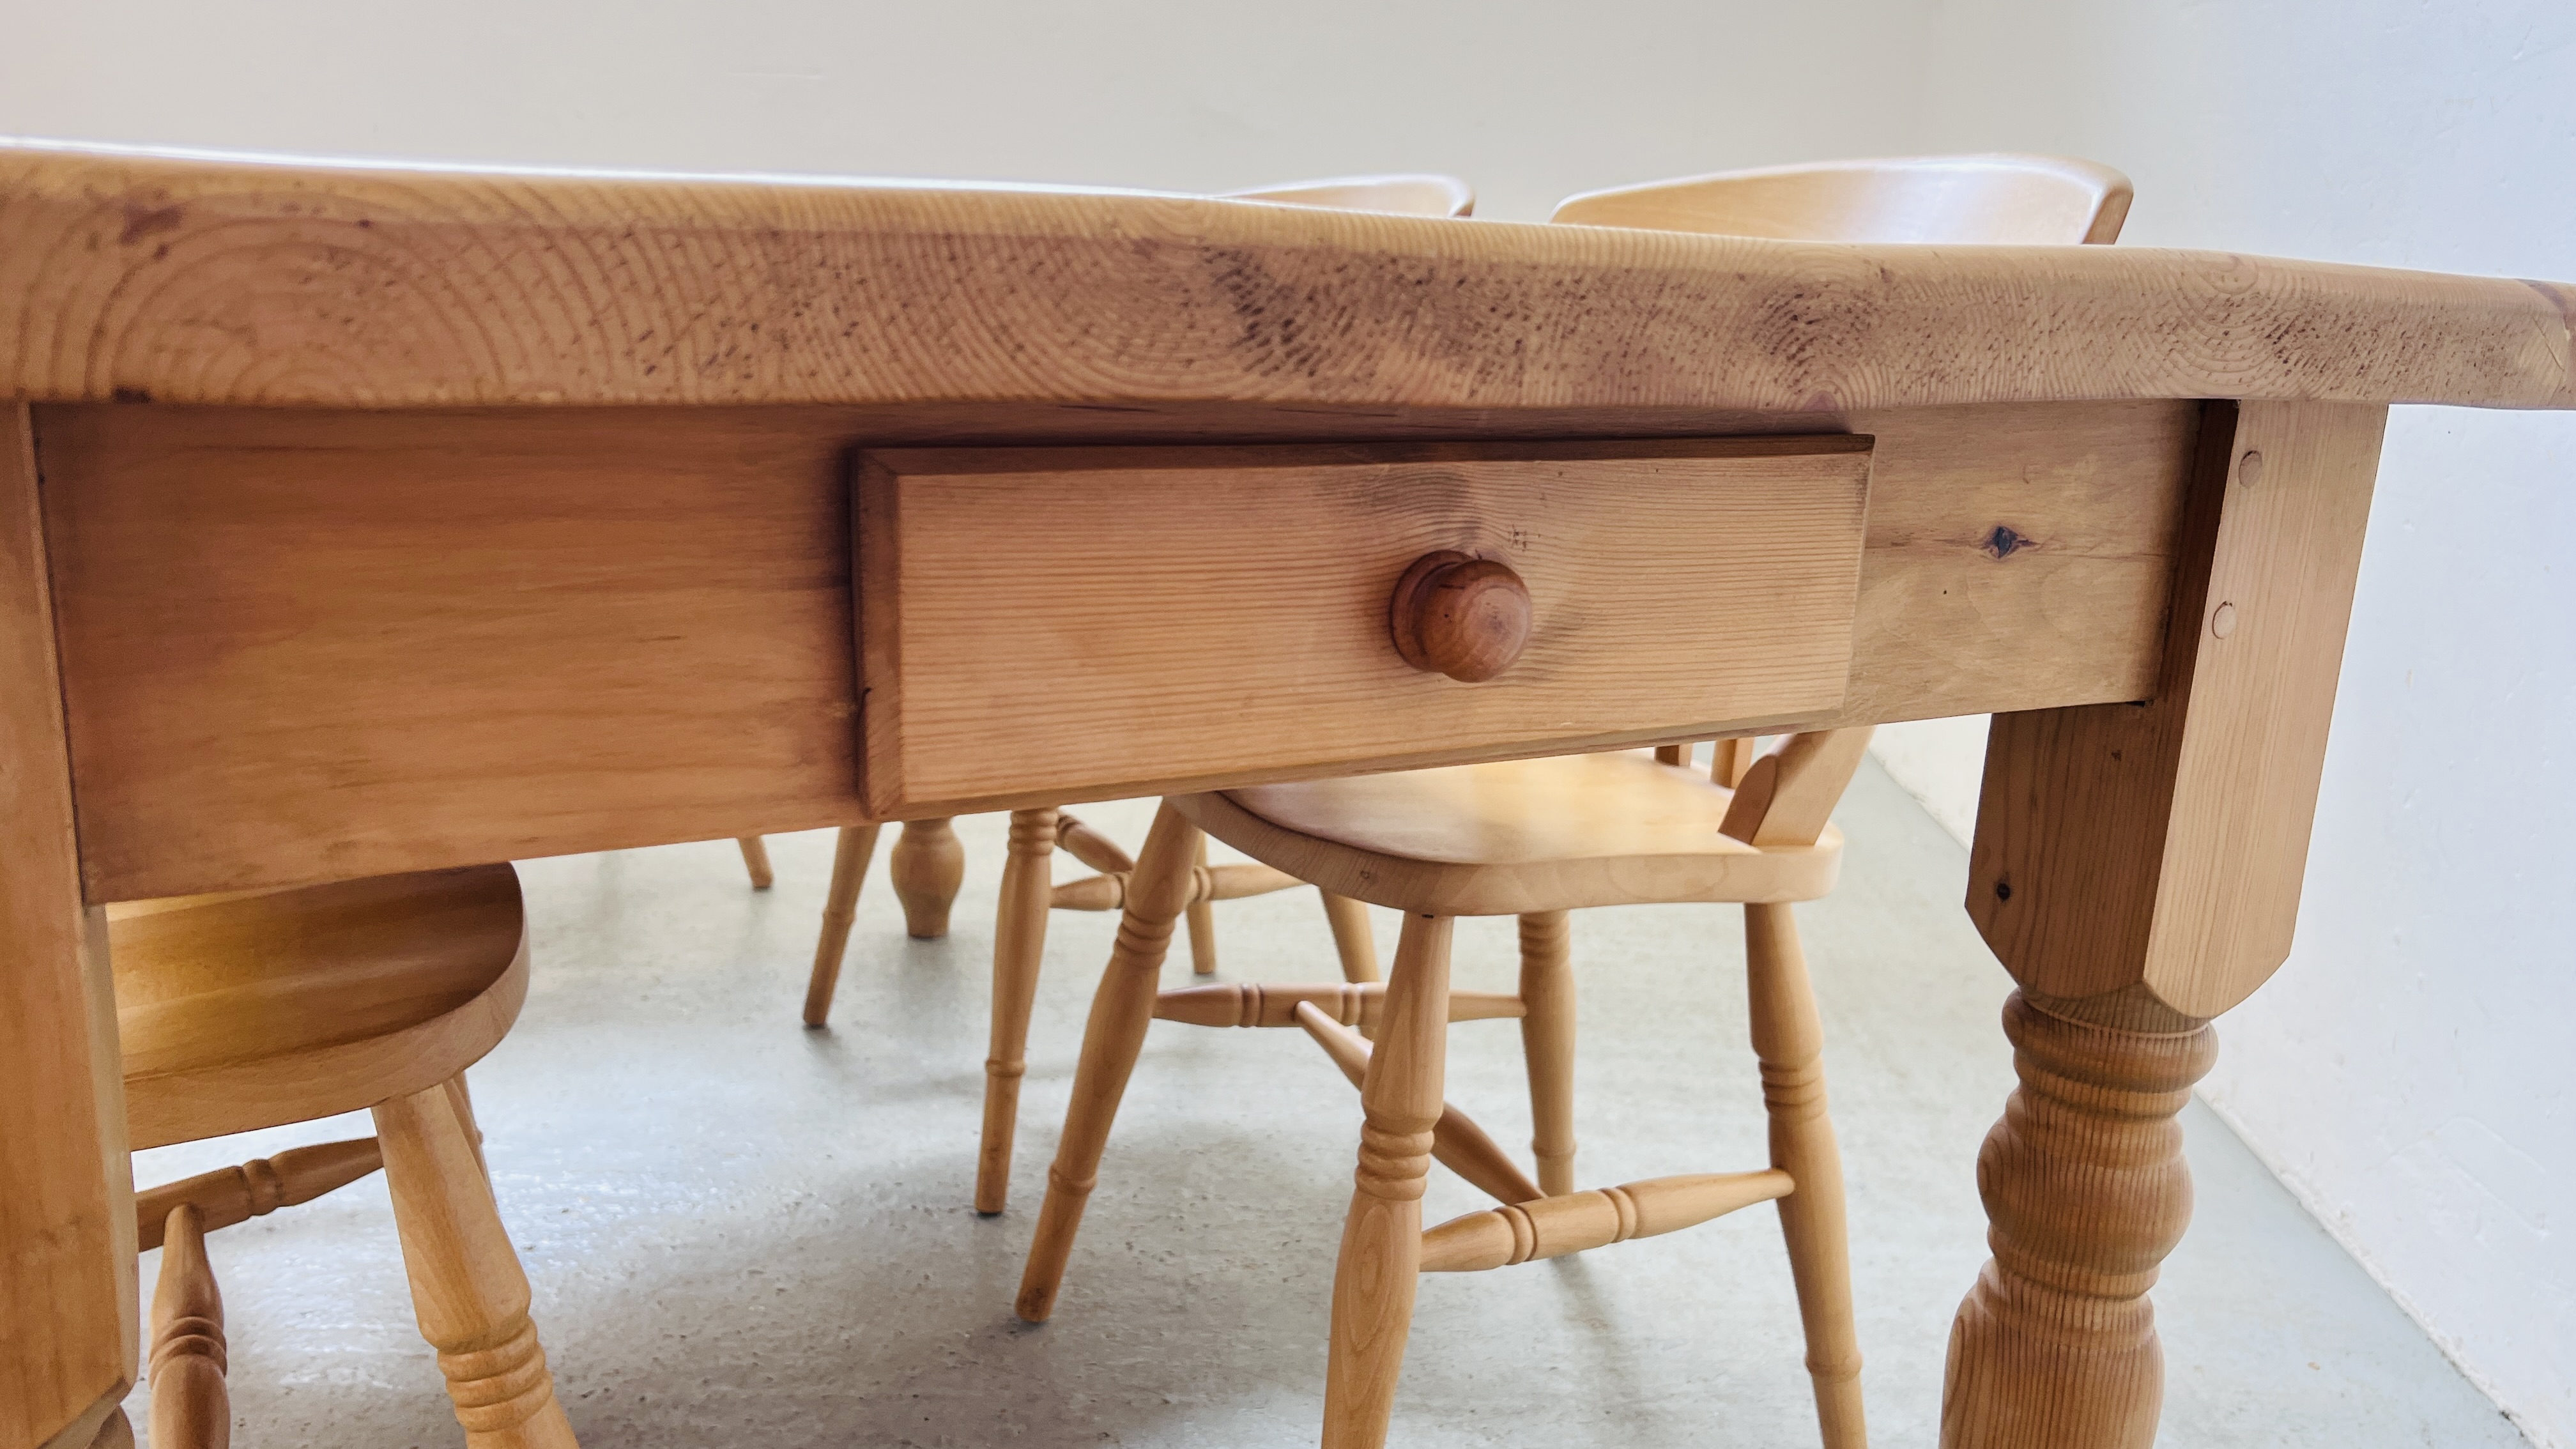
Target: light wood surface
1516, 837
191, 1407
2166, 845
1408, 195
232, 1195
1121, 1010
467, 1288
1200, 917
189, 280
1354, 940
1576, 1222
1374, 1279
927, 868
755, 861
69, 1334
273, 648
1457, 1143
2086, 1187
274, 1007
851, 850
1789, 1041
1019, 947
1671, 584
1547, 1044
1991, 200
1276, 1004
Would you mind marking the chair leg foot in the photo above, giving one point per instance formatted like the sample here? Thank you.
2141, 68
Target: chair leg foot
1120, 1012
1789, 1040
1019, 945
1381, 1255
850, 855
467, 1287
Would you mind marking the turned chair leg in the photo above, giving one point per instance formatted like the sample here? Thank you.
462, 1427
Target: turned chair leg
1202, 922
1121, 1010
1381, 1257
1019, 944
840, 907
927, 867
467, 1287
1352, 939
1547, 1041
1789, 1040
755, 859
191, 1408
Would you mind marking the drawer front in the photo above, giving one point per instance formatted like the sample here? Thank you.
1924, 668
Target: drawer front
1054, 625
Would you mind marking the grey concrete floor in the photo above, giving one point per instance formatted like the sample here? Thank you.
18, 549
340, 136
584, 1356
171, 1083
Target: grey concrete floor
743, 1232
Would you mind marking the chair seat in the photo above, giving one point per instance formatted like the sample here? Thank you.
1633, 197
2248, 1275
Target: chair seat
262, 1008
1516, 837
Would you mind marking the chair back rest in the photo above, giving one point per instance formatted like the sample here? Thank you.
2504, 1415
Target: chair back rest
1423, 195
2001, 199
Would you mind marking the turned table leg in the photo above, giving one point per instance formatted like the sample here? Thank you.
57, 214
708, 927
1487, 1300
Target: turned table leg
926, 868
2085, 1184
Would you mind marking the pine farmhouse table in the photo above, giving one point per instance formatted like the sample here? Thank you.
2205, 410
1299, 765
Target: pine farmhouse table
365, 519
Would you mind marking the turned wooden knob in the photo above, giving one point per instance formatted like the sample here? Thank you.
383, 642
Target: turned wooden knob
1459, 615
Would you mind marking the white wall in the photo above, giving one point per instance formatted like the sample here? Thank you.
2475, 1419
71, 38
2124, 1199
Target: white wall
2410, 1071
1529, 100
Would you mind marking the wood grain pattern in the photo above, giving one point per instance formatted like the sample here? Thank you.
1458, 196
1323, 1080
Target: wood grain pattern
191, 1407
2086, 1187
232, 1195
1672, 584
467, 1288
1977, 200
1577, 1222
1380, 1263
661, 599
69, 1334
2166, 844
1515, 837
1121, 1010
497, 643
258, 1010
1457, 1143
347, 286
852, 848
926, 869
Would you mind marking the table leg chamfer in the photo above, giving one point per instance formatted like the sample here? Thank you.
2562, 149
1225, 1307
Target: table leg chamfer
2085, 1185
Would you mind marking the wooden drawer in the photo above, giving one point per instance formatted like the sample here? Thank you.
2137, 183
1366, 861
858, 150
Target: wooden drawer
1079, 623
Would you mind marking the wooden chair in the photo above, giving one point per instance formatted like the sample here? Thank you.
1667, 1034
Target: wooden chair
1535, 839
928, 864
255, 1010
1997, 199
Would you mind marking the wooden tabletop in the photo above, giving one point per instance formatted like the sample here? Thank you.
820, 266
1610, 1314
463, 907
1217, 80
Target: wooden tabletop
132, 275
358, 519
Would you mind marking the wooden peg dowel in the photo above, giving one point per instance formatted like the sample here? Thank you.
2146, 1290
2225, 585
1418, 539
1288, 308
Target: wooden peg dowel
1551, 1227
1353, 940
755, 859
1253, 1003
850, 853
1457, 1143
191, 1408
1734, 757
926, 868
257, 1188
1090, 847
